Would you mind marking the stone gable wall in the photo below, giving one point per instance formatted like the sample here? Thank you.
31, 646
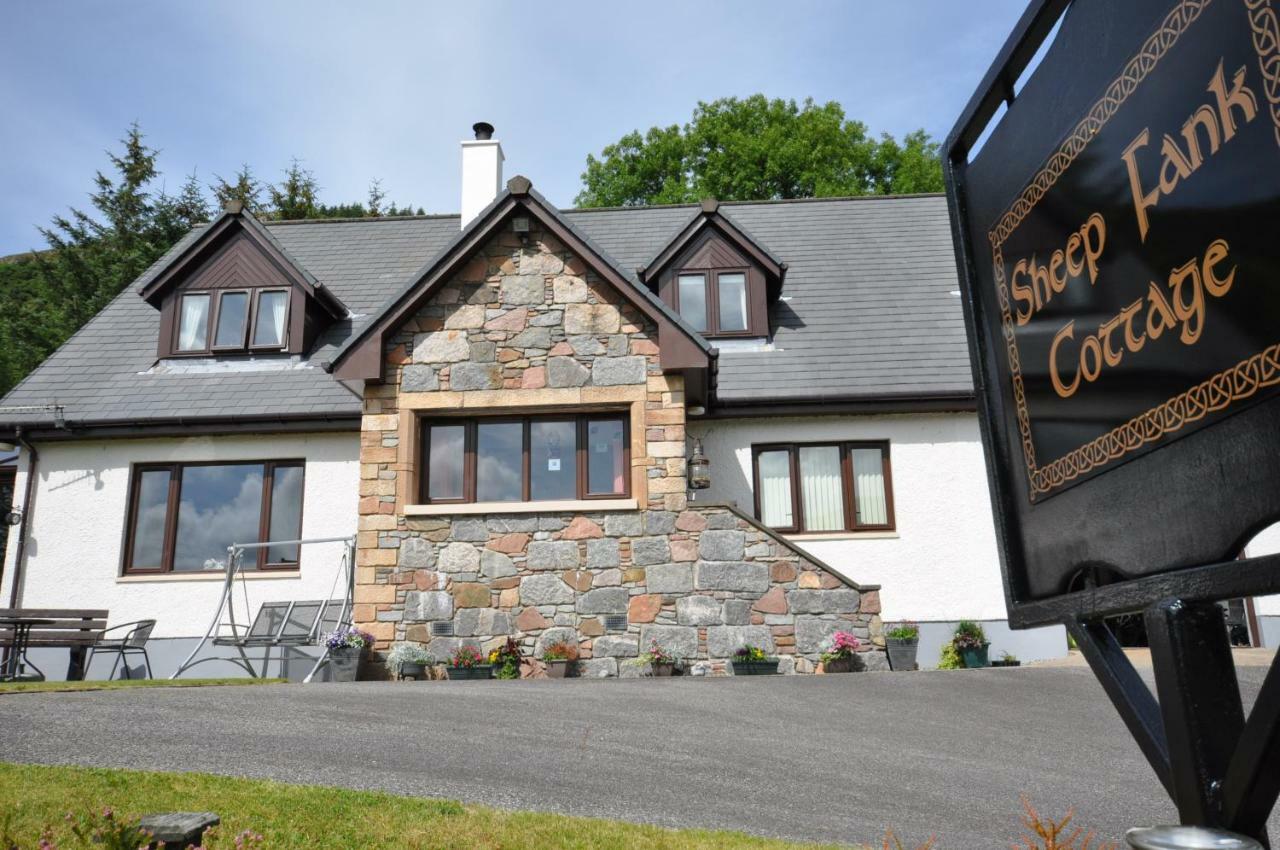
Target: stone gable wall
527, 326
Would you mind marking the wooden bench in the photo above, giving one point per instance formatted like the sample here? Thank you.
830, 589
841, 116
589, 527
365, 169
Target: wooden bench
76, 629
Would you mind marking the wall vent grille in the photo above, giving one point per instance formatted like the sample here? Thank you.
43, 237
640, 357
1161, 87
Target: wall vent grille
442, 629
615, 622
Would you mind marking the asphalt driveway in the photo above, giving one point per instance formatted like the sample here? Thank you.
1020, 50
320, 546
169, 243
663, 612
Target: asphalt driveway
829, 758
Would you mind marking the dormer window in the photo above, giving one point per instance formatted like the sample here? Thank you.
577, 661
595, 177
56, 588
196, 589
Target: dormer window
714, 302
223, 317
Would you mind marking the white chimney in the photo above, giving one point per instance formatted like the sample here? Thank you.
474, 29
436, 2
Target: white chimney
481, 172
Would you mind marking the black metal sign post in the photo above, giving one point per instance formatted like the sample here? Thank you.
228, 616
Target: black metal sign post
1118, 239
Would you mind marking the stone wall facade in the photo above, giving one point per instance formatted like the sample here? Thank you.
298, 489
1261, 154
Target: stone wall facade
527, 327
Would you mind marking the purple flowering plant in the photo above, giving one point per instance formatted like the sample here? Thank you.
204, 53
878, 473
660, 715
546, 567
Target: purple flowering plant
348, 637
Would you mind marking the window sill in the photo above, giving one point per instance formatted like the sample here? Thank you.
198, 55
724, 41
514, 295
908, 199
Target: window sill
843, 535
551, 507
252, 575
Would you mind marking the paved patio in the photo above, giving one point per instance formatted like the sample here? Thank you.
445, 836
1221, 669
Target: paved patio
831, 758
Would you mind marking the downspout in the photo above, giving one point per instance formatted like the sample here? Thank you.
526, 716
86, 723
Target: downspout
19, 555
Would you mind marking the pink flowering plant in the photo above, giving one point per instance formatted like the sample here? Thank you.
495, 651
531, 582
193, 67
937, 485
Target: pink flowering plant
656, 654
466, 657
840, 645
348, 637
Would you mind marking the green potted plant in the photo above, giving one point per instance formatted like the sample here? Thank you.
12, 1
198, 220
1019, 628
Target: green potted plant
753, 661
467, 663
1006, 659
559, 658
347, 647
506, 660
661, 662
971, 642
409, 661
902, 641
840, 653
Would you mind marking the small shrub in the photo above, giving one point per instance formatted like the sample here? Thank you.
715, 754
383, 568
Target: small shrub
506, 660
1047, 834
904, 631
950, 659
969, 635
750, 653
466, 657
655, 655
840, 645
560, 651
408, 653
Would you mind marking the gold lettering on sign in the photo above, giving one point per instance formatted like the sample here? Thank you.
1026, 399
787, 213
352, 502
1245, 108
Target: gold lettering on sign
1035, 285
1216, 122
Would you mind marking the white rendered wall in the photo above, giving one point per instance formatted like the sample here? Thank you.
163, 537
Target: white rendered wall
941, 563
73, 557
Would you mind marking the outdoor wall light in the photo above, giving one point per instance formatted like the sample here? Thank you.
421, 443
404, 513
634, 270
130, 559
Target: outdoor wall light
13, 517
699, 468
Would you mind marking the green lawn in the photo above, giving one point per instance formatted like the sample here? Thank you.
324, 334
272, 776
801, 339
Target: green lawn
299, 816
115, 684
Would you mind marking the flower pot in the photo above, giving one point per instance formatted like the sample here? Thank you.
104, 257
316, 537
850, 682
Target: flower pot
839, 665
975, 658
902, 652
412, 670
558, 669
480, 671
755, 668
663, 668
344, 663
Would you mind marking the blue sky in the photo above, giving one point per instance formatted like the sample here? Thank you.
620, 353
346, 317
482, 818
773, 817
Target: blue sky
387, 89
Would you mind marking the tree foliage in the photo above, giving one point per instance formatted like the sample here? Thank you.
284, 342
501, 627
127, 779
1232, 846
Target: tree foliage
759, 149
93, 254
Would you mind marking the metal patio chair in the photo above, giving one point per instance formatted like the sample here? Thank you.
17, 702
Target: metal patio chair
131, 639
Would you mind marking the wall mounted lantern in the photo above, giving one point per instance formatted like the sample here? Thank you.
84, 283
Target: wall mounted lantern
699, 468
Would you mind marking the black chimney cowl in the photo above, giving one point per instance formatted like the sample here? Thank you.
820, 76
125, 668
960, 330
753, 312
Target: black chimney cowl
483, 130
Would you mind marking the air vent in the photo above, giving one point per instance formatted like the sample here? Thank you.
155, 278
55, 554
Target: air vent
615, 622
442, 629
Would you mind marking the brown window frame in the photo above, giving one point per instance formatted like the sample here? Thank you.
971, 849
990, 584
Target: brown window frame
175, 471
711, 283
580, 420
848, 495
215, 310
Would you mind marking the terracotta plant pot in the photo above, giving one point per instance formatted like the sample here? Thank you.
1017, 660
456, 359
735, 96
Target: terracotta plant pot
975, 658
663, 668
902, 652
558, 669
344, 663
755, 668
480, 671
840, 665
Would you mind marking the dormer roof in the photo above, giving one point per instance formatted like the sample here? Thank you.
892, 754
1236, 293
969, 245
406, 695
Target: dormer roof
711, 216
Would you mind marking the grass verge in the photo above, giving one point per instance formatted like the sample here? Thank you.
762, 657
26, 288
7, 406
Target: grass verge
300, 816
119, 684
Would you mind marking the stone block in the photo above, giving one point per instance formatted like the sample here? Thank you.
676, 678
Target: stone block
722, 545
597, 668
428, 605
616, 646
691, 521
644, 608
721, 520
745, 576
669, 578
512, 543
623, 525
773, 602
615, 371
417, 553
511, 320
522, 289
737, 612
823, 601
650, 550
684, 550
545, 589
466, 316
530, 620
495, 565
603, 553
483, 351
566, 372
459, 558
698, 611
812, 631
680, 641
553, 555
724, 641
469, 530
607, 578
531, 337
580, 529
441, 347
591, 319
586, 346
568, 289
475, 376
468, 594
558, 634
659, 522
604, 600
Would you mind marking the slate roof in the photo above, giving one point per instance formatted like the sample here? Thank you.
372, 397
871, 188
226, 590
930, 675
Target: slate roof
867, 311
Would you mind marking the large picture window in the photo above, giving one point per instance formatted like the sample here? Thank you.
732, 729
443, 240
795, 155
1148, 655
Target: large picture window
231, 320
525, 459
182, 517
824, 487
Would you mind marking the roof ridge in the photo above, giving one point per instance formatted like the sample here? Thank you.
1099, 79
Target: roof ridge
354, 220
691, 205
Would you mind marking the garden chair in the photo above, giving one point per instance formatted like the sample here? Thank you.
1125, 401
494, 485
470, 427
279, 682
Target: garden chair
129, 639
